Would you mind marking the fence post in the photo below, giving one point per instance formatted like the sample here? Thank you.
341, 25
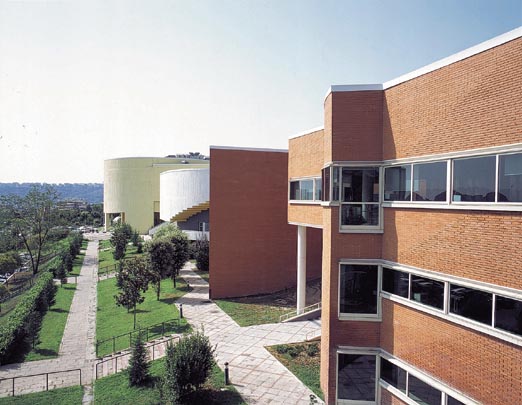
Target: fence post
116, 364
80, 376
113, 344
130, 339
153, 346
47, 381
147, 334
163, 329
13, 386
181, 311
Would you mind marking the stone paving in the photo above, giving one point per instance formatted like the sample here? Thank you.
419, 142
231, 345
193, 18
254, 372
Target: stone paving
77, 346
256, 374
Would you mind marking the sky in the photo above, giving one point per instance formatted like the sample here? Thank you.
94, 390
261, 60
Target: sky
85, 81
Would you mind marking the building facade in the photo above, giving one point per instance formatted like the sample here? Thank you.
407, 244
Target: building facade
131, 188
416, 185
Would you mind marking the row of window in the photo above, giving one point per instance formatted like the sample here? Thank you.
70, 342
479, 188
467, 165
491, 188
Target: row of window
306, 189
359, 293
358, 374
496, 178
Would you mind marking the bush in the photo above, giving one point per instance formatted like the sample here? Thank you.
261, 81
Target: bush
201, 254
187, 366
67, 262
138, 366
294, 351
22, 323
312, 350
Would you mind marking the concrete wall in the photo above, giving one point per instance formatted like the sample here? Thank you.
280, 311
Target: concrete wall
132, 186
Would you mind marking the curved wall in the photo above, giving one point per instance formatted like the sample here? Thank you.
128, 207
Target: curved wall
132, 186
182, 189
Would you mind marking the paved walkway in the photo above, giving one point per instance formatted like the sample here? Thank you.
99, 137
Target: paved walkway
255, 373
77, 347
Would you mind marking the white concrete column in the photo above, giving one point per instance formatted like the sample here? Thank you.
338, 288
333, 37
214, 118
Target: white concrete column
301, 267
107, 220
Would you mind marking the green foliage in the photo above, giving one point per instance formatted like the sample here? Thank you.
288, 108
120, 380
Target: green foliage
60, 272
167, 230
201, 253
23, 321
162, 256
138, 365
135, 238
67, 261
9, 262
132, 279
30, 218
120, 238
187, 366
312, 350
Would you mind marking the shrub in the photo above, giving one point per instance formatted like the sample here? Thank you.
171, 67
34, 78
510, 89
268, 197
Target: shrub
201, 254
20, 324
294, 351
187, 366
312, 350
67, 261
138, 366
281, 349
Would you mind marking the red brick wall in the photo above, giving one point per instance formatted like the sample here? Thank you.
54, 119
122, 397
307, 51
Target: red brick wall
480, 245
389, 399
305, 155
483, 367
469, 104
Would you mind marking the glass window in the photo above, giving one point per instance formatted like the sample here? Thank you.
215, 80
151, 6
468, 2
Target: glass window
307, 189
326, 184
318, 189
471, 303
335, 183
429, 181
395, 282
358, 289
474, 179
397, 183
423, 393
393, 375
453, 401
427, 291
360, 214
508, 314
294, 190
360, 184
510, 178
356, 377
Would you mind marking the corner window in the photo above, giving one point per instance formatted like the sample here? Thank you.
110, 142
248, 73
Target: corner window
474, 179
336, 173
360, 197
356, 379
471, 303
395, 282
326, 183
510, 178
358, 294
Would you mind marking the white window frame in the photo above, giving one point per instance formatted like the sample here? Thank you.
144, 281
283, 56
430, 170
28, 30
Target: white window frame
363, 351
346, 316
299, 179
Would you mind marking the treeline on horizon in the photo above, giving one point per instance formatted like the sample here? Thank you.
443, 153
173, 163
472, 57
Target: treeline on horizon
91, 193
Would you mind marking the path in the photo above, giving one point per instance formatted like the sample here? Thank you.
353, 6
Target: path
254, 372
77, 347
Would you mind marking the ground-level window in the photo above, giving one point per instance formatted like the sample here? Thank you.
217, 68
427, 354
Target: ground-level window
356, 378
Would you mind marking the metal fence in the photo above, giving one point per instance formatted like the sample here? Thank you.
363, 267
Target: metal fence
124, 341
113, 364
26, 384
296, 312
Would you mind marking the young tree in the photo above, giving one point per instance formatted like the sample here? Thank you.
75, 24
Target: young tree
138, 366
31, 218
119, 240
202, 253
162, 255
132, 280
180, 243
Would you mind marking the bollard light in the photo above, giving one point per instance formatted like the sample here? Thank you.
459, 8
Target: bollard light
227, 378
181, 311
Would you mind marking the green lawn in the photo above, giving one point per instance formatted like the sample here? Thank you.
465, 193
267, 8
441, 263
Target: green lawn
78, 260
105, 257
115, 390
112, 320
303, 360
251, 313
53, 325
61, 396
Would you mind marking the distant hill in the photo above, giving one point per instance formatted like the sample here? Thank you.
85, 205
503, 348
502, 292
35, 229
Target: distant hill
89, 192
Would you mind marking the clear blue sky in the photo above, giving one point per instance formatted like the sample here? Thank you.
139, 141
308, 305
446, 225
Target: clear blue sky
84, 81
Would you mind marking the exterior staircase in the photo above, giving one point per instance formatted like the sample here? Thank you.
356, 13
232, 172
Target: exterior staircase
310, 312
187, 213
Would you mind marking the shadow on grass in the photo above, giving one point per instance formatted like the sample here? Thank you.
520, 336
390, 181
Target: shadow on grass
46, 352
59, 310
208, 396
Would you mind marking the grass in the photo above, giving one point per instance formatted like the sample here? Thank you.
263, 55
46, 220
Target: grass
115, 389
112, 320
53, 325
247, 312
303, 360
78, 260
60, 396
105, 257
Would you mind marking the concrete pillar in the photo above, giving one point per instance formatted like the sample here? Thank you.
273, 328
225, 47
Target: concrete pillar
301, 267
107, 221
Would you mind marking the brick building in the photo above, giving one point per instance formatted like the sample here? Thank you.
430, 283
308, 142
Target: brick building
416, 185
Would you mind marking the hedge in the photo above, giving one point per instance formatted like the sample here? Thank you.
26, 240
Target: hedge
23, 323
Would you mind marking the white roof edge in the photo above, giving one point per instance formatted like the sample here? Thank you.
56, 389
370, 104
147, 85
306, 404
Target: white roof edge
185, 170
248, 149
466, 53
307, 132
